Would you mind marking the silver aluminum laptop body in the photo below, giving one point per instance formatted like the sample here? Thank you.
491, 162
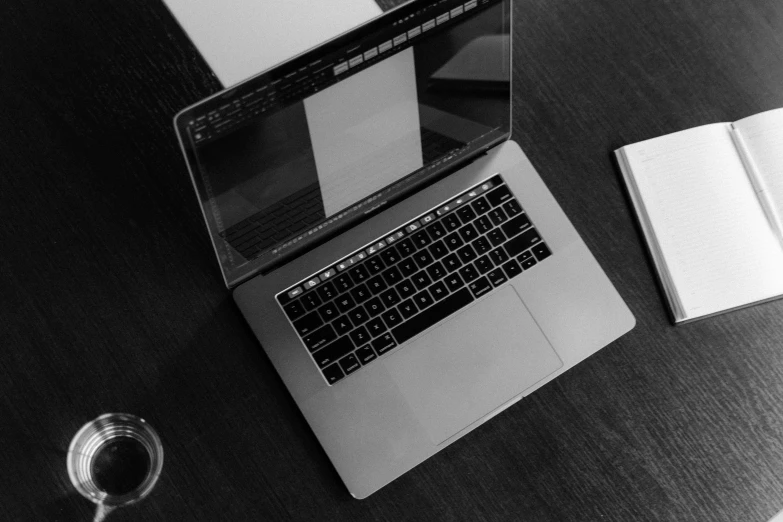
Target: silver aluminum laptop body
380, 418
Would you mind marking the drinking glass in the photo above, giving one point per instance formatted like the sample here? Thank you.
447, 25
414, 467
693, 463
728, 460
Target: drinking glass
115, 460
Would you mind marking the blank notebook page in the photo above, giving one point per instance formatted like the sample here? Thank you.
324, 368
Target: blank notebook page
719, 248
763, 136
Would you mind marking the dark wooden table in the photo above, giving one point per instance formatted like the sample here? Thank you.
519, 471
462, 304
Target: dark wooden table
111, 299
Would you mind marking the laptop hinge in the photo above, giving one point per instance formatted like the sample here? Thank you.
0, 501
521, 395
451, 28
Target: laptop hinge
359, 219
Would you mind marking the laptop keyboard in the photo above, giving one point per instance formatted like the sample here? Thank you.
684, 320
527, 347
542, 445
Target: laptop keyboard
365, 305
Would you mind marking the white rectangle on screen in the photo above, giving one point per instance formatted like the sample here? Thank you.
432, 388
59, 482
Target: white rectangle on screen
365, 131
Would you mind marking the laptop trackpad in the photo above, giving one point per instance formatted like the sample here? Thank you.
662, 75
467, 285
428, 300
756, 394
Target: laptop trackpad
471, 364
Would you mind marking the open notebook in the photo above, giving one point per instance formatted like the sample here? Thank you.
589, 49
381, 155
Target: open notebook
709, 201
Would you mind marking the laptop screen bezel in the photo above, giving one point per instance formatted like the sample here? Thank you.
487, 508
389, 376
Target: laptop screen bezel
182, 119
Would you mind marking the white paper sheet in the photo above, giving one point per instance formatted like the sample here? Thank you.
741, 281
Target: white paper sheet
719, 247
763, 137
241, 38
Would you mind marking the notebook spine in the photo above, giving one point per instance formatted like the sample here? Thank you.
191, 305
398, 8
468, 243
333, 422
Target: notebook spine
675, 308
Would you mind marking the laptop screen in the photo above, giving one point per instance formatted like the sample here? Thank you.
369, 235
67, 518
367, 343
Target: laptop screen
288, 158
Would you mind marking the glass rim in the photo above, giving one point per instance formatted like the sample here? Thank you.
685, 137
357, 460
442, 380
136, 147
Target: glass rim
87, 443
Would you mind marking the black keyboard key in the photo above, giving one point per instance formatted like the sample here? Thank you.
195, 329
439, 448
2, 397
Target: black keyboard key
359, 274
423, 258
454, 241
294, 309
320, 338
392, 276
377, 285
421, 280
528, 263
406, 247
468, 273
451, 222
468, 233
421, 239
482, 245
391, 317
480, 286
345, 302
349, 364
358, 315
451, 262
483, 224
466, 254
326, 291
406, 289
426, 220
524, 256
423, 299
333, 352
408, 267
512, 208
466, 214
522, 242
453, 282
343, 282
498, 256
436, 231
499, 195
438, 290
342, 325
480, 205
407, 308
484, 264
390, 297
311, 301
541, 251
361, 293
497, 277
286, 297
308, 323
435, 314
496, 237
512, 268
374, 265
360, 336
374, 306
375, 326
516, 225
390, 256
329, 311
383, 344
438, 249
333, 373
436, 271
365, 354
497, 216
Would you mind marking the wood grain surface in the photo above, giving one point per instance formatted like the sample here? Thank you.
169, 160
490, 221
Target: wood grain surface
111, 300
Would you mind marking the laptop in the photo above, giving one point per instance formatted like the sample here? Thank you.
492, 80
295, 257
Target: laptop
401, 262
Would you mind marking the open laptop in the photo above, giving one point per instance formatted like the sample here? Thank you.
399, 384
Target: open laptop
399, 259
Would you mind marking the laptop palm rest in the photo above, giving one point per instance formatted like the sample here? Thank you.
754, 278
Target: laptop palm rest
471, 364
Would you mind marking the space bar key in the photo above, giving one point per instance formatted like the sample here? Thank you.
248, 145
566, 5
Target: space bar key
432, 315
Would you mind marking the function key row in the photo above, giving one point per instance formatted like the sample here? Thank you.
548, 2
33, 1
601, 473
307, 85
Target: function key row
420, 237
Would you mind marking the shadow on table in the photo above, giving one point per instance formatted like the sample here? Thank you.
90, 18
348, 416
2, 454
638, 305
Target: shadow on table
70, 508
